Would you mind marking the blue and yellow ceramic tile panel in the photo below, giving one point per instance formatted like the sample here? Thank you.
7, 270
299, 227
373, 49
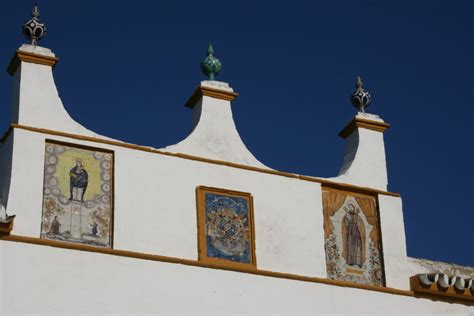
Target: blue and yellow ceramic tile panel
77, 195
226, 226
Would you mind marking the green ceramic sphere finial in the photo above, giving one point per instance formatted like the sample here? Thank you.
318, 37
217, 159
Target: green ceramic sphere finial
211, 66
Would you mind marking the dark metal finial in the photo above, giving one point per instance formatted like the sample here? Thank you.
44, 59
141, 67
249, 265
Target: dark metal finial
34, 29
360, 98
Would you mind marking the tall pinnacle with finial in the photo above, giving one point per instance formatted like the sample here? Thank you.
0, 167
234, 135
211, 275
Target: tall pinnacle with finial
211, 66
360, 98
34, 29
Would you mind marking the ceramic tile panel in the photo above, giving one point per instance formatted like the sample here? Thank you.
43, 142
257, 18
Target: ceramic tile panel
225, 226
352, 237
77, 195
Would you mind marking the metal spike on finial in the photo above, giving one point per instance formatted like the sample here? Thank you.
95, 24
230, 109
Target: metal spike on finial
35, 13
210, 50
360, 98
211, 66
34, 29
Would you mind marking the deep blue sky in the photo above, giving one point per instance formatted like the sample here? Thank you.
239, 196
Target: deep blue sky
127, 67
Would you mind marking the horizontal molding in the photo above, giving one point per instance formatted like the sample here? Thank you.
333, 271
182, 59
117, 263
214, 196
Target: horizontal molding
349, 187
354, 192
362, 123
210, 92
30, 58
416, 293
200, 264
342, 186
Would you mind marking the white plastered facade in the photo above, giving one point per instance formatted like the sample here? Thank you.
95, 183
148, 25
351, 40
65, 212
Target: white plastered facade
35, 98
364, 161
214, 134
155, 213
124, 286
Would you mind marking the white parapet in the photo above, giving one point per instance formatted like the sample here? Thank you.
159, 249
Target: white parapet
214, 134
364, 158
392, 230
36, 101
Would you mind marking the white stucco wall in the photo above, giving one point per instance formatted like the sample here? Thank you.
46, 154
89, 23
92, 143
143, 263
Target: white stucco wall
214, 134
394, 249
36, 103
364, 161
66, 282
155, 208
35, 98
155, 205
6, 150
155, 213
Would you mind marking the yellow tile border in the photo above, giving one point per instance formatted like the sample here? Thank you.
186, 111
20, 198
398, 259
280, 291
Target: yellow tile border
327, 183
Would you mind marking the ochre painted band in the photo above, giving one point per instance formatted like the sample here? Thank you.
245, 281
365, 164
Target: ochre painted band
336, 185
210, 92
362, 123
196, 263
30, 58
243, 269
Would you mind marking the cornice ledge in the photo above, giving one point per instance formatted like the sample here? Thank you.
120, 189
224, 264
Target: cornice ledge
210, 92
363, 123
21, 55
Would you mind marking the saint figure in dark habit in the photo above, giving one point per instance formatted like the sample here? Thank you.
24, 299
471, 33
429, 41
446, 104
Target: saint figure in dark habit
78, 181
353, 238
54, 230
95, 229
